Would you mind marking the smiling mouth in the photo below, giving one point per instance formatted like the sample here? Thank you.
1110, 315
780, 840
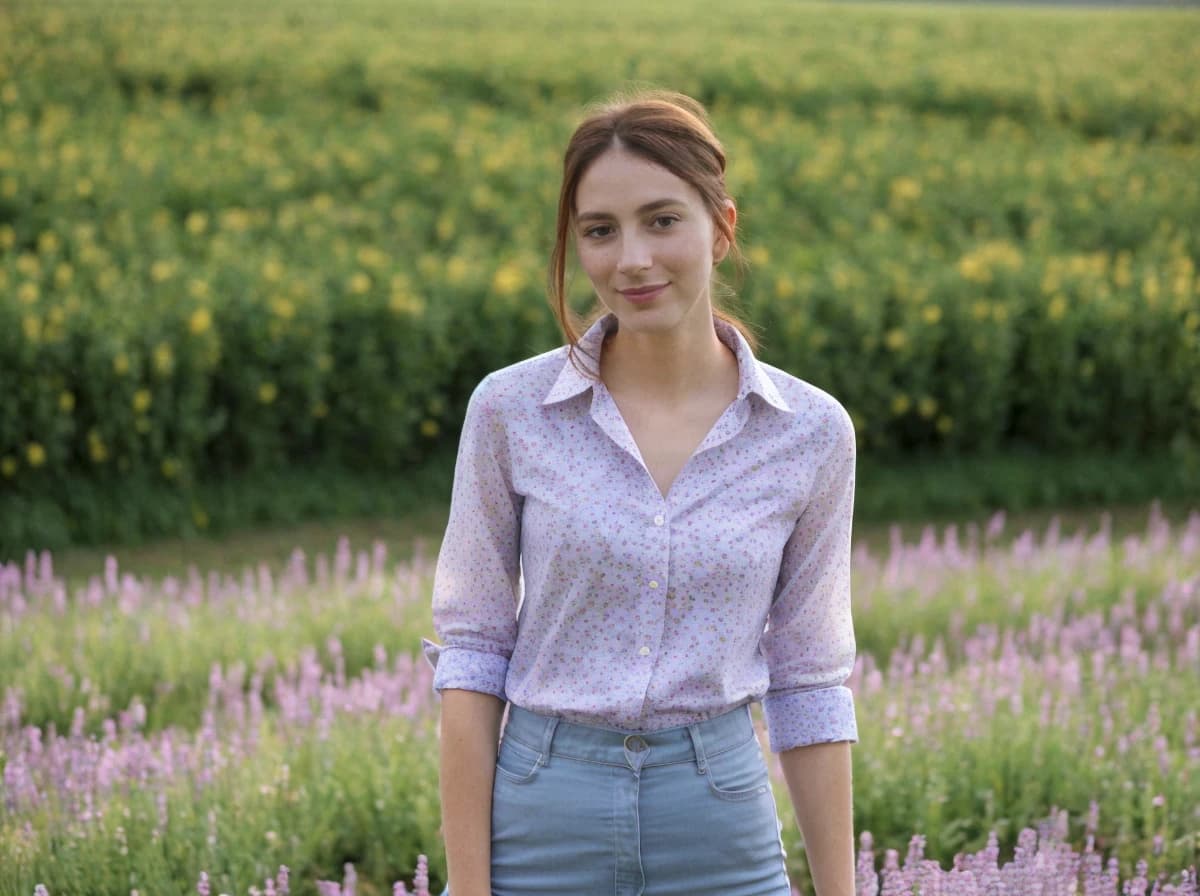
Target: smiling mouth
642, 290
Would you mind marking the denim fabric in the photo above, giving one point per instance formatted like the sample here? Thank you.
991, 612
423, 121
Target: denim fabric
586, 811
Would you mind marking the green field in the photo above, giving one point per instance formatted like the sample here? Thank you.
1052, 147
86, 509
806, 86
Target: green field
240, 239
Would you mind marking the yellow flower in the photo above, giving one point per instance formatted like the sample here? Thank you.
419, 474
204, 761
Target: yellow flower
508, 279
235, 219
161, 270
359, 283
931, 314
759, 255
199, 517
27, 293
164, 358
8, 236
63, 274
927, 406
972, 268
197, 223
142, 400
404, 302
905, 188
895, 339
48, 242
267, 392
200, 321
96, 447
1057, 309
457, 269
66, 402
371, 257
8, 466
35, 454
272, 270
170, 467
283, 308
198, 289
900, 403
320, 409
944, 424
121, 364
429, 428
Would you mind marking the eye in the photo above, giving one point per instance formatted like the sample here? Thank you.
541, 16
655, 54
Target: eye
670, 219
592, 231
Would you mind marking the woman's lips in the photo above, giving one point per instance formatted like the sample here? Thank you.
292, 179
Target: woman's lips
644, 294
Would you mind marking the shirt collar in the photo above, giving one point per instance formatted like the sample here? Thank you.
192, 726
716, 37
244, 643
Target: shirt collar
751, 375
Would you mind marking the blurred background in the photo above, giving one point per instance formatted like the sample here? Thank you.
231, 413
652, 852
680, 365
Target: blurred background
254, 257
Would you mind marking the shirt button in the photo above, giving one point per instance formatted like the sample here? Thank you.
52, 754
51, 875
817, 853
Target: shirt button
644, 651
659, 520
653, 583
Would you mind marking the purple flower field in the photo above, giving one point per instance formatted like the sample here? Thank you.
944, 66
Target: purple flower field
1028, 713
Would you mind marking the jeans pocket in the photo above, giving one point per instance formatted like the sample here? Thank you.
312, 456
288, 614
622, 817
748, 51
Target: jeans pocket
739, 773
516, 762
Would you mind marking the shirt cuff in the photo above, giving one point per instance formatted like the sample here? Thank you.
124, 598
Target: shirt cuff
466, 669
801, 718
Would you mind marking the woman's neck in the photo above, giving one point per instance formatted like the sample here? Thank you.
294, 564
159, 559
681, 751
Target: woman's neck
667, 366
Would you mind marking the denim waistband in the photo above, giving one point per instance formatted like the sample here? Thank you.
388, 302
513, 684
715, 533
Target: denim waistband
555, 736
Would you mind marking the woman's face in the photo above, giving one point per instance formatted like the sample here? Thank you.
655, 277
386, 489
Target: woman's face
637, 225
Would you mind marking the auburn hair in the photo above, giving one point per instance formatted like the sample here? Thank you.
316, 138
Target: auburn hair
671, 130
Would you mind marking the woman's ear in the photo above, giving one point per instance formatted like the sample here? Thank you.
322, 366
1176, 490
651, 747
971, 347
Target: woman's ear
721, 243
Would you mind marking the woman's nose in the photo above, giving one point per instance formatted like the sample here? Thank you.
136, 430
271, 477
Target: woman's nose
635, 256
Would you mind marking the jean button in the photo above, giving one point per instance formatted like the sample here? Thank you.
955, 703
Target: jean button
634, 744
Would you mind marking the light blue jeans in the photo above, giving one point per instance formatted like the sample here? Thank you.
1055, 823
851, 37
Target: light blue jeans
584, 811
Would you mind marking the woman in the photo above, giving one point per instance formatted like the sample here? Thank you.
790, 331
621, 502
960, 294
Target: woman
649, 530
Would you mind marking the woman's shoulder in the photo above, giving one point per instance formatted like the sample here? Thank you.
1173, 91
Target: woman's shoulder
523, 382
814, 410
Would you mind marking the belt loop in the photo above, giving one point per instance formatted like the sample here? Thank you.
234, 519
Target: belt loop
548, 738
698, 743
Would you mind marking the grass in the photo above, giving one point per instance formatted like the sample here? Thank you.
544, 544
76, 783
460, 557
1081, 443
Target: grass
273, 544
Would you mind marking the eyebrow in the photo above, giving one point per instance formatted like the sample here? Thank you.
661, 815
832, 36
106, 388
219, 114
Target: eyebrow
642, 209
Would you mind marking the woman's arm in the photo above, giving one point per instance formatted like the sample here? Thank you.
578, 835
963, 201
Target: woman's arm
819, 780
469, 738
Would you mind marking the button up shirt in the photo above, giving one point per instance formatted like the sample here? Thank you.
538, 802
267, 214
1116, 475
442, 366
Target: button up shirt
569, 585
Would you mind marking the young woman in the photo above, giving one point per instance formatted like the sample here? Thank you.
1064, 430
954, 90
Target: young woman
649, 530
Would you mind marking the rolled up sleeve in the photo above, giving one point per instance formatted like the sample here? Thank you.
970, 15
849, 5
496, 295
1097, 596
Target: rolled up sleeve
809, 640
476, 580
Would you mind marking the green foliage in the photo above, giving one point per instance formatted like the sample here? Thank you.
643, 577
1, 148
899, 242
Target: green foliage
310, 804
264, 237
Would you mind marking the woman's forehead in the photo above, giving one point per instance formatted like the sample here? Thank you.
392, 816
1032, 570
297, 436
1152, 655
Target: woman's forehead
620, 181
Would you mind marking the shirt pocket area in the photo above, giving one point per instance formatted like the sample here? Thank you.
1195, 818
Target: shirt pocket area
516, 762
739, 773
